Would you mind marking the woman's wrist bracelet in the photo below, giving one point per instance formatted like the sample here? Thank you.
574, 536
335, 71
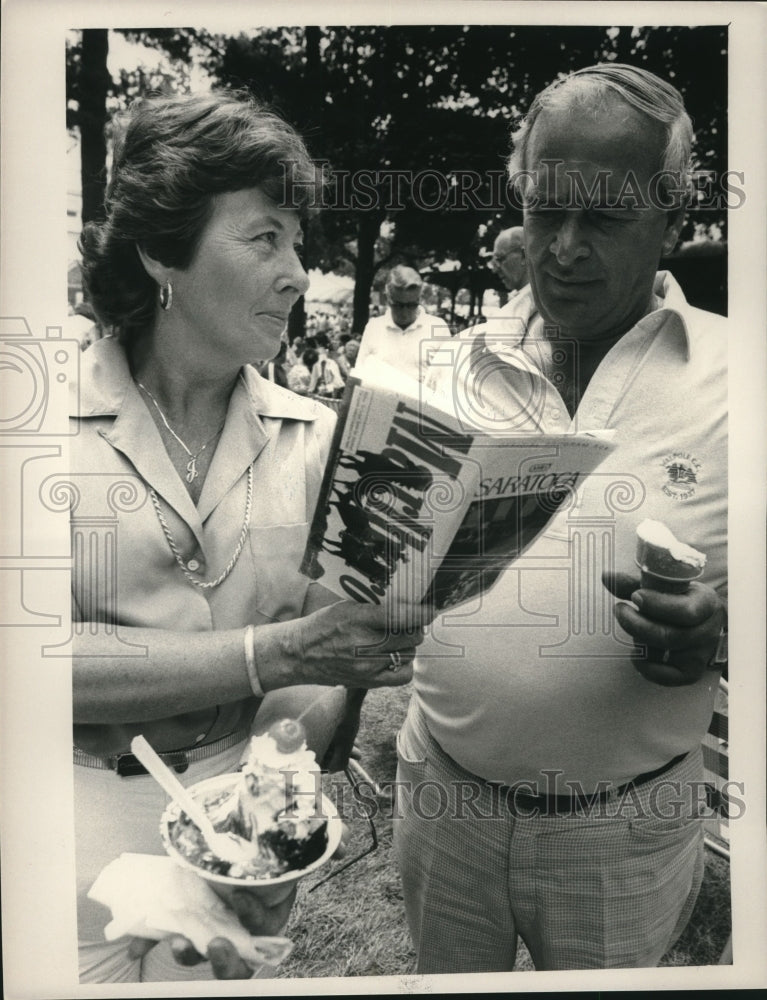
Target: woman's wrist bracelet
250, 662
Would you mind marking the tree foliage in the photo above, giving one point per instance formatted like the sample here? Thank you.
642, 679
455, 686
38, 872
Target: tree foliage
431, 102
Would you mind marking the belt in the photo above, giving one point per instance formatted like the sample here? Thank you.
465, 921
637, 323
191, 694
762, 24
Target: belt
127, 764
557, 805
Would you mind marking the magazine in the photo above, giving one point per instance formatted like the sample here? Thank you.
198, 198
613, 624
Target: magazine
417, 506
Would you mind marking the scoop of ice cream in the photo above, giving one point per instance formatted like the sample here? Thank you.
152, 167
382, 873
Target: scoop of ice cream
275, 802
660, 551
280, 782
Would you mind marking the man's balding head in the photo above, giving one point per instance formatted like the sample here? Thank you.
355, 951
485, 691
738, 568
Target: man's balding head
509, 261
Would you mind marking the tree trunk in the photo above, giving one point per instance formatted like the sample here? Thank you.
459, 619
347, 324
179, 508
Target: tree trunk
313, 103
94, 85
297, 320
368, 227
314, 96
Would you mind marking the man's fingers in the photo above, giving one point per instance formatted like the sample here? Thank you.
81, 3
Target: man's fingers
678, 671
621, 585
699, 635
680, 610
225, 960
643, 630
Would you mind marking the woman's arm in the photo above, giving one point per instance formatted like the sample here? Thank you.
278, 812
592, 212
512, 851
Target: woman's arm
162, 673
176, 672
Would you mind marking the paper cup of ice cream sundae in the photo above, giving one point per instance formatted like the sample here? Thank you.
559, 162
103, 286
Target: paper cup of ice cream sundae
275, 812
664, 562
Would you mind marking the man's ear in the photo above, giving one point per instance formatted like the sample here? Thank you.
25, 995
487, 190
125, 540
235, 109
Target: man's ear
674, 222
159, 272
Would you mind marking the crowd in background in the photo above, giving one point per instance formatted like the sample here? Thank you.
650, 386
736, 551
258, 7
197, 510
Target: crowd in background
317, 364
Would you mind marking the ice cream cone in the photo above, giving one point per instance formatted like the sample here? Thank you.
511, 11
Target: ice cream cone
666, 584
665, 563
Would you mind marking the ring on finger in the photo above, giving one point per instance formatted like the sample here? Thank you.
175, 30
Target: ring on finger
666, 656
396, 661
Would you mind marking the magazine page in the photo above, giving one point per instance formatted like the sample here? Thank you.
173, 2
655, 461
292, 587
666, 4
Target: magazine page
415, 505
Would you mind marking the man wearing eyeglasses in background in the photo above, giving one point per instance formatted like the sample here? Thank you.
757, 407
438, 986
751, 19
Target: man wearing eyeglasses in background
509, 261
396, 336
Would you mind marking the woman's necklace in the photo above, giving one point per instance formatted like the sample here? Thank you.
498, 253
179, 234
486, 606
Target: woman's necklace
191, 466
209, 585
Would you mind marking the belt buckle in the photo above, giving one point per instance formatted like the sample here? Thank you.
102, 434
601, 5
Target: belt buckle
128, 765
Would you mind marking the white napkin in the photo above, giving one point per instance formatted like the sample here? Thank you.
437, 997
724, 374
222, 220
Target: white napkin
152, 897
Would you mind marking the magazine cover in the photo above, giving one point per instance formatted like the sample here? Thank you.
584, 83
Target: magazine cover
416, 506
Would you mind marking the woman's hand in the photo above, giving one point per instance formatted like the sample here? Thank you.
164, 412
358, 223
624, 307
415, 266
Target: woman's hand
346, 643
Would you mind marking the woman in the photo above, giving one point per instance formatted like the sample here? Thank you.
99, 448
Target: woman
213, 473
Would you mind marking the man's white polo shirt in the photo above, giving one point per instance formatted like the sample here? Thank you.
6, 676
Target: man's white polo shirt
536, 674
404, 349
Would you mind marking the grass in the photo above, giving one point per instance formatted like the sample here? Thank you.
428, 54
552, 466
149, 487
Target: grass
355, 924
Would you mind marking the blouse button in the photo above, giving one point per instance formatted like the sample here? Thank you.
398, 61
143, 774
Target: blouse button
193, 565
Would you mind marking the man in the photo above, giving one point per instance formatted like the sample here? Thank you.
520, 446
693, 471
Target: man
508, 260
550, 774
395, 337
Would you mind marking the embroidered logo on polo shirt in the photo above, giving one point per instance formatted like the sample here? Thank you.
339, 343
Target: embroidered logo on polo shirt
682, 472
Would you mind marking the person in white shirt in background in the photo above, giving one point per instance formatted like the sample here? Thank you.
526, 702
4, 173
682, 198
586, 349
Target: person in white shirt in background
396, 336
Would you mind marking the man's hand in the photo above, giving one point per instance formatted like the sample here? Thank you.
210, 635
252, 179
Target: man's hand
224, 958
680, 631
258, 917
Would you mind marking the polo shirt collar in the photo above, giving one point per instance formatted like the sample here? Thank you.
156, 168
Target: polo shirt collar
668, 311
413, 326
107, 389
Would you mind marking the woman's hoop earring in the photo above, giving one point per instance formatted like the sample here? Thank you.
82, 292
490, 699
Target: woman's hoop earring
166, 296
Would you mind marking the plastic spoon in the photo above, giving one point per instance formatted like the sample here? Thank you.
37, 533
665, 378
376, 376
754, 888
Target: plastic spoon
228, 846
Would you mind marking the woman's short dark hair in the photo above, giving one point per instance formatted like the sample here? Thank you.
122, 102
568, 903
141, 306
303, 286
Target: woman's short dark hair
171, 156
310, 357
